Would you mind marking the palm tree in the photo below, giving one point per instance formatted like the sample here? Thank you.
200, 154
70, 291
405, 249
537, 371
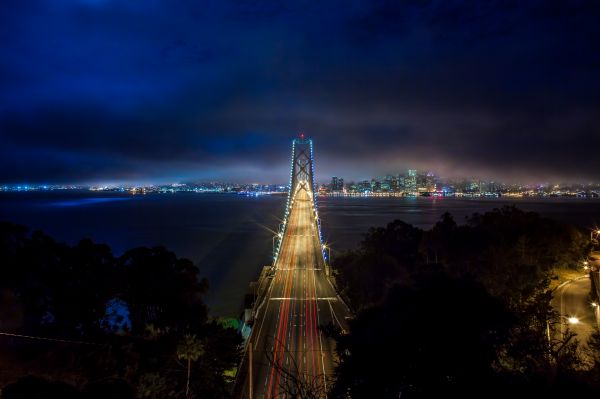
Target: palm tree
190, 349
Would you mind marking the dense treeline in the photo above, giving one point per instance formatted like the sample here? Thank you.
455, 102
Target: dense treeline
461, 310
106, 326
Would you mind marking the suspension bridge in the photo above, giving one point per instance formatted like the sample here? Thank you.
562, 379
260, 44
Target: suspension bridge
287, 351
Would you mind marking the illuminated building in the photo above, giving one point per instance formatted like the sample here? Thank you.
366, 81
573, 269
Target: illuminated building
337, 184
410, 183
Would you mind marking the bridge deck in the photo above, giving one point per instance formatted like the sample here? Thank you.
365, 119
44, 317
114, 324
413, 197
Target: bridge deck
289, 350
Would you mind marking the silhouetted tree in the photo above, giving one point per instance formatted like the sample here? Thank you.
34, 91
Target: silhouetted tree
39, 388
115, 321
437, 335
487, 323
296, 383
189, 349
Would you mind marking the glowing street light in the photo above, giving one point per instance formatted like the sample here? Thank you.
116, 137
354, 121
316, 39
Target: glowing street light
586, 265
328, 249
571, 320
278, 238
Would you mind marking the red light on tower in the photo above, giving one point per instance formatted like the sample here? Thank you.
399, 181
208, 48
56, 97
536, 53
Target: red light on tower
302, 135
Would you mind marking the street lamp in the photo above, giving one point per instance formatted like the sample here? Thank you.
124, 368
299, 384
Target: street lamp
277, 236
573, 320
328, 249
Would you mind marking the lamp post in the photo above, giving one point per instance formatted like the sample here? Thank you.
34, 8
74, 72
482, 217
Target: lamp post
572, 320
327, 268
596, 312
328, 249
276, 236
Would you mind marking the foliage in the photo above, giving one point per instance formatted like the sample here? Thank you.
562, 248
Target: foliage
432, 337
511, 252
30, 387
190, 348
154, 386
116, 317
459, 309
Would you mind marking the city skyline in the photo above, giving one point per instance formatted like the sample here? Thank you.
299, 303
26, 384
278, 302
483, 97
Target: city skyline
411, 182
320, 178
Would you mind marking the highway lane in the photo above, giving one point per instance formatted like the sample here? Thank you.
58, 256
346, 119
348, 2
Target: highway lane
289, 350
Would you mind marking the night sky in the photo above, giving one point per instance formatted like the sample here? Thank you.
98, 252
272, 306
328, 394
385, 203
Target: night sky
100, 91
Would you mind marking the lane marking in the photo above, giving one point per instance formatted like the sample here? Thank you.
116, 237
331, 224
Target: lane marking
296, 250
301, 268
331, 298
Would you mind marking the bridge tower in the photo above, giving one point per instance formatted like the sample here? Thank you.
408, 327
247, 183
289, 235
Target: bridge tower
302, 172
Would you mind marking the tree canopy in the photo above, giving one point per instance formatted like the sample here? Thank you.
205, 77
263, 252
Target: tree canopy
100, 316
459, 309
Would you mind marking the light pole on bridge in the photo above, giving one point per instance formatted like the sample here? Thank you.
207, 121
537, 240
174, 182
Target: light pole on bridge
328, 249
276, 237
328, 262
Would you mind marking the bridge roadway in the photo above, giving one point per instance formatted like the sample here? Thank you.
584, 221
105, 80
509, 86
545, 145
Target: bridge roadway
286, 339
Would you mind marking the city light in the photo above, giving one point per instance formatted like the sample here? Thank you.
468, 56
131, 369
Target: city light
418, 183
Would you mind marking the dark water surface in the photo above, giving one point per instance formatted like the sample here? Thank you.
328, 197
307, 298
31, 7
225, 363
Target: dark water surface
228, 235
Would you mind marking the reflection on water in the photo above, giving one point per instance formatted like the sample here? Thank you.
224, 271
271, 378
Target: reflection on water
345, 220
228, 235
87, 201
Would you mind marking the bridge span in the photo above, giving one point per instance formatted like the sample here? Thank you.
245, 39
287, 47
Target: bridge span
287, 351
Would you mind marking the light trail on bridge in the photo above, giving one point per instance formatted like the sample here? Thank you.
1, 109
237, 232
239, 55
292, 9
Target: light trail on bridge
289, 352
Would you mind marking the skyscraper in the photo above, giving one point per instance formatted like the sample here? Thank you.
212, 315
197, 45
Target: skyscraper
430, 182
410, 183
337, 184
364, 186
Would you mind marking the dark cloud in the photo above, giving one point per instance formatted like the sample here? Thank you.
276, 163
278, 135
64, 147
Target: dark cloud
102, 90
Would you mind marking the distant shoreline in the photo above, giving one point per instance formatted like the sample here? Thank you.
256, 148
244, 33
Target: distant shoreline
508, 196
458, 195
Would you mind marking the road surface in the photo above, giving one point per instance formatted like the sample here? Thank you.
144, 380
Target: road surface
572, 300
289, 350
